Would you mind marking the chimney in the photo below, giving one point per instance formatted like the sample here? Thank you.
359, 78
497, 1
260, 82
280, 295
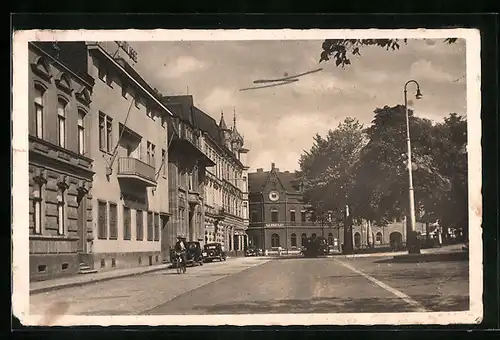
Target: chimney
272, 166
260, 170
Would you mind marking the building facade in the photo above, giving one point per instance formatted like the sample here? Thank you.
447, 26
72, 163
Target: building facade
186, 167
226, 186
60, 167
278, 217
129, 146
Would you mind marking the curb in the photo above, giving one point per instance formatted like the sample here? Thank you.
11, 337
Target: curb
76, 284
450, 256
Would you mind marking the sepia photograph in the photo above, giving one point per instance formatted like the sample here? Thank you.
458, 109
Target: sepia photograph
247, 177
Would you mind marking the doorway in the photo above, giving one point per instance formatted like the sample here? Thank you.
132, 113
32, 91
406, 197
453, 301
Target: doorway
81, 223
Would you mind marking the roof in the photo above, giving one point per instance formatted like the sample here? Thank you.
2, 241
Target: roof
257, 180
181, 107
207, 124
73, 55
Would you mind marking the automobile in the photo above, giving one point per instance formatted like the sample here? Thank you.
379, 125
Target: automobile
213, 251
252, 252
194, 254
315, 247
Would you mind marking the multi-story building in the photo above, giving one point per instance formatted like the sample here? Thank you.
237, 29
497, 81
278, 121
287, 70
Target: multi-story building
278, 217
186, 167
226, 188
129, 146
60, 168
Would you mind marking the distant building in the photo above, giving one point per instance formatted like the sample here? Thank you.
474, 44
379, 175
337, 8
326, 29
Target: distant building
278, 217
226, 188
60, 166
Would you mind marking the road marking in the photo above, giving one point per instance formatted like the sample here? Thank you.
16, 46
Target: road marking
394, 291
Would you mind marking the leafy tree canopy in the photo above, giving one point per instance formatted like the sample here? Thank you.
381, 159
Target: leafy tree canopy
342, 50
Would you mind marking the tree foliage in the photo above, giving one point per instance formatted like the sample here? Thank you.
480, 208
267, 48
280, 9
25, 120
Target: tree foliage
368, 168
342, 50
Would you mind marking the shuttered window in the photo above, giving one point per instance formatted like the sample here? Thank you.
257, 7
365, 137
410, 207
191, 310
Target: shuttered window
126, 224
157, 227
139, 225
102, 228
113, 221
150, 226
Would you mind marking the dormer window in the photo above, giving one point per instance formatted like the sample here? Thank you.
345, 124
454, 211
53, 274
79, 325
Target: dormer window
42, 68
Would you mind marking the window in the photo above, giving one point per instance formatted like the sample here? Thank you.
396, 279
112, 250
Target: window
150, 226
104, 75
244, 184
275, 240
379, 237
39, 94
139, 222
293, 240
330, 239
126, 224
151, 154
274, 215
124, 90
255, 216
102, 221
313, 235
163, 161
61, 122
303, 239
37, 208
303, 216
149, 112
157, 228
81, 132
292, 216
61, 218
191, 181
113, 223
105, 132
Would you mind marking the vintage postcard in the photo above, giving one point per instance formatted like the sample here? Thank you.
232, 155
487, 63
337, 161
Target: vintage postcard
247, 177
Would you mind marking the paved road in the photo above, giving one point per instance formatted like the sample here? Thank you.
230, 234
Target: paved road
287, 285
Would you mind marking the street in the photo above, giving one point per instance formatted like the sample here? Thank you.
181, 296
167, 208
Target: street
273, 285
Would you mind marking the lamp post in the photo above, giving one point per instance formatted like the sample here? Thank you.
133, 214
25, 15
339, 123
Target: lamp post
410, 234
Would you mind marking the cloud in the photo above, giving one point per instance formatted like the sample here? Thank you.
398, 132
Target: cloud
182, 65
425, 69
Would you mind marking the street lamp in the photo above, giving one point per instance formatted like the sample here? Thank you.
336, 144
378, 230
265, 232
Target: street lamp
411, 248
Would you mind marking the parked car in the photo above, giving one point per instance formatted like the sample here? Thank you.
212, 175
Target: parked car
251, 252
315, 247
213, 251
194, 254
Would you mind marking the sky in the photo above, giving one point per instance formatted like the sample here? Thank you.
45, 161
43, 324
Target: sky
278, 123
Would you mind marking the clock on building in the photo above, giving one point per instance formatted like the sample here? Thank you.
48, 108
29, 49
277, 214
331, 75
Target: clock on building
274, 196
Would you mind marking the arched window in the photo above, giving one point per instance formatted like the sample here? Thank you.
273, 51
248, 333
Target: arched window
39, 110
357, 240
81, 132
303, 239
330, 239
293, 240
61, 210
61, 121
275, 240
379, 238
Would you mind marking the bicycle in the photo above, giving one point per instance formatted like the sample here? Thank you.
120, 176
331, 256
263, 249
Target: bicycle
180, 265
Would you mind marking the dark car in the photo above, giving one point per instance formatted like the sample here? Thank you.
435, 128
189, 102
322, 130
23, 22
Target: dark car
194, 254
252, 252
315, 247
213, 251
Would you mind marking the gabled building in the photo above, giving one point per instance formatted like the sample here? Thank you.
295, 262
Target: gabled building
60, 162
278, 217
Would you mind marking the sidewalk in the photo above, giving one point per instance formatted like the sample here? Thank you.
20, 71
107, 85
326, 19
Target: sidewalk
445, 250
81, 279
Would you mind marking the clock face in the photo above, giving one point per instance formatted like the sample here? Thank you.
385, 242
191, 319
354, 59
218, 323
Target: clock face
274, 196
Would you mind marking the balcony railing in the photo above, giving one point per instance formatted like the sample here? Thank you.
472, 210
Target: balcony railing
133, 168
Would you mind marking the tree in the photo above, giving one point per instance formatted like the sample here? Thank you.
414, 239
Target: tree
326, 169
341, 50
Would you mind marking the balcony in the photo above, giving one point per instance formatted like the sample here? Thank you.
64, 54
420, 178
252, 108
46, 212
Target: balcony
189, 143
135, 170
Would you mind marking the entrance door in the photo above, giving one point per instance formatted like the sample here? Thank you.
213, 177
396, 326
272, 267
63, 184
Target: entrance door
82, 225
165, 237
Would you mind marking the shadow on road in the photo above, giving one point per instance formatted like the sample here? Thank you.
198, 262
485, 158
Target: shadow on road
336, 305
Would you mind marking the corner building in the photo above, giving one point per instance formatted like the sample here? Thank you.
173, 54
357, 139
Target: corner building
129, 147
60, 168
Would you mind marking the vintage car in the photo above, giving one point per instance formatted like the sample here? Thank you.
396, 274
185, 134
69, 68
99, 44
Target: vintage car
213, 251
315, 247
194, 254
252, 252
